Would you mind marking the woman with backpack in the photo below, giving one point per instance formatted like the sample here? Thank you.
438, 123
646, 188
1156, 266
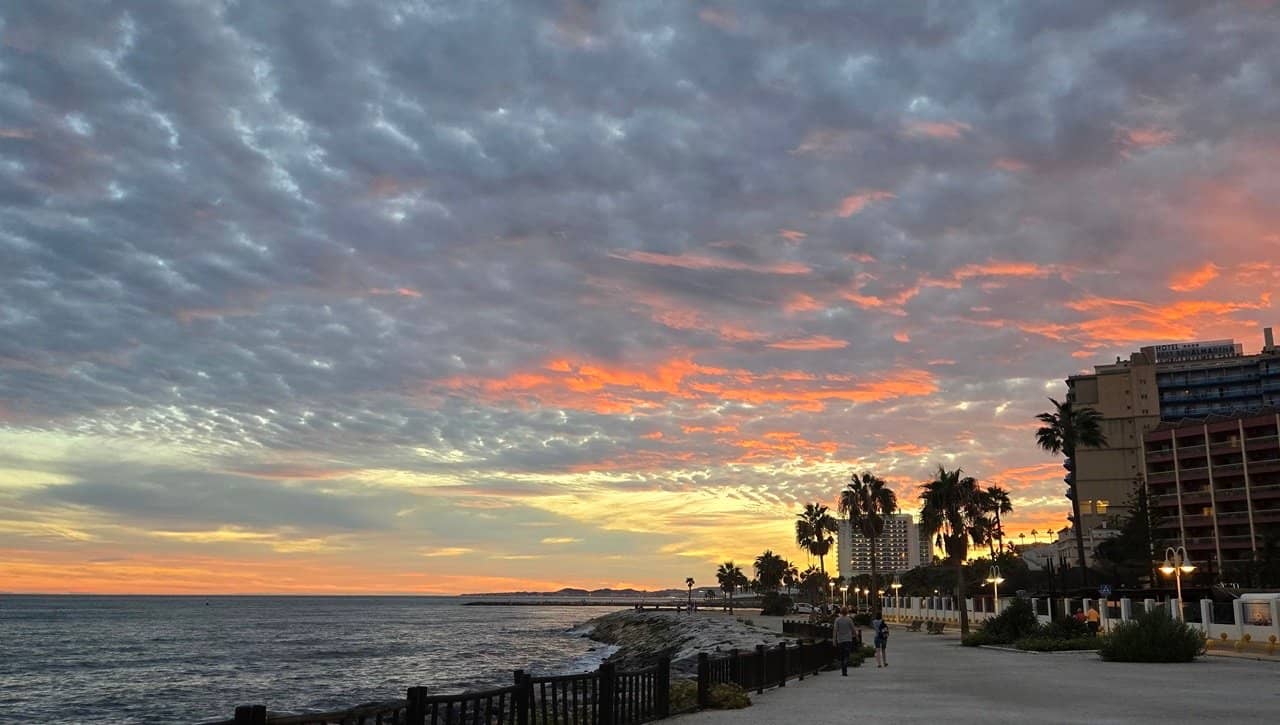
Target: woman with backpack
881, 629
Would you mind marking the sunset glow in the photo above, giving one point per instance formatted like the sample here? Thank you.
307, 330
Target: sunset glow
586, 295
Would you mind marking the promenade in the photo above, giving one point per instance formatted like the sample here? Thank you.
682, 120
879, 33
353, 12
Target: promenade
935, 680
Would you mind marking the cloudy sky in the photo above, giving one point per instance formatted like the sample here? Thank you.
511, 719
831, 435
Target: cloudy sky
446, 297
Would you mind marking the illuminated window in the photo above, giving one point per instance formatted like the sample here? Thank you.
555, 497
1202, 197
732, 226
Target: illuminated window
1102, 505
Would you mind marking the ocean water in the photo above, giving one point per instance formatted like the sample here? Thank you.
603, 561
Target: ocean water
72, 659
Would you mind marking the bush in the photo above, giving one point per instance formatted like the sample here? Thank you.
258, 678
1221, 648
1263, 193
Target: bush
1153, 637
775, 604
1018, 620
1054, 644
728, 696
862, 620
683, 695
1065, 628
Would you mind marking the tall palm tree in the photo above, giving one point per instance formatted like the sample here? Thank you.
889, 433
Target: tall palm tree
952, 512
730, 577
996, 502
815, 529
770, 570
688, 581
790, 576
1065, 429
866, 500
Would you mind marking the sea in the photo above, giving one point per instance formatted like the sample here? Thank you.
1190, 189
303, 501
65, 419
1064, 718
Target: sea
105, 659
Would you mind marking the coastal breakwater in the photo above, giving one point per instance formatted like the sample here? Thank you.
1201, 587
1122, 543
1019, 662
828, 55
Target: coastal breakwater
642, 636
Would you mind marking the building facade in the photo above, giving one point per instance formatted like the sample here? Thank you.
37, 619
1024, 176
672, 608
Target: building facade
1158, 383
1214, 487
900, 547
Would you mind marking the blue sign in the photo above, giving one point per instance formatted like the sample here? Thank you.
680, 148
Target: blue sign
1104, 590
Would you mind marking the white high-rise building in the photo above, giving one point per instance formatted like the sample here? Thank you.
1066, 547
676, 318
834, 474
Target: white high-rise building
899, 548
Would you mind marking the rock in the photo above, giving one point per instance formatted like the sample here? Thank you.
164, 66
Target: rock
643, 636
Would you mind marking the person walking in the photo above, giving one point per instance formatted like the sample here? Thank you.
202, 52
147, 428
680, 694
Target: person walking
842, 635
881, 630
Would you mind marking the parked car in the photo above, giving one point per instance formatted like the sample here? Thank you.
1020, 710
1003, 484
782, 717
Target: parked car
804, 608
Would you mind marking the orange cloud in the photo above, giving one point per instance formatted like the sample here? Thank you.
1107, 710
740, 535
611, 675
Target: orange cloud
855, 203
792, 235
801, 302
902, 336
996, 268
910, 449
948, 130
25, 134
784, 446
825, 142
699, 262
1144, 137
1194, 279
818, 342
618, 390
400, 291
1011, 165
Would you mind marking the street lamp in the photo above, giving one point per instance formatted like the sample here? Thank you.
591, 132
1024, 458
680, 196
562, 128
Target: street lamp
994, 579
833, 592
897, 599
844, 595
1177, 563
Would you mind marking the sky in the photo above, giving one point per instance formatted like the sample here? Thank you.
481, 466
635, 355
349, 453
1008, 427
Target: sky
403, 297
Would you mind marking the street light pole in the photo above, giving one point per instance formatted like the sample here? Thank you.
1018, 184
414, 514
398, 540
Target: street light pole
1177, 563
844, 595
897, 600
994, 579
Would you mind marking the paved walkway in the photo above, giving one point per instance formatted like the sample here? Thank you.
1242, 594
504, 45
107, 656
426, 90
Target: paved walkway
934, 680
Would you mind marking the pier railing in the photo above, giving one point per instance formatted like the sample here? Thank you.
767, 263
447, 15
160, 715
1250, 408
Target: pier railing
605, 696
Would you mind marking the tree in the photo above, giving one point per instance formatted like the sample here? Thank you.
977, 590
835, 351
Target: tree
1064, 430
952, 512
790, 576
995, 501
815, 529
1128, 556
730, 577
770, 570
688, 581
814, 583
866, 500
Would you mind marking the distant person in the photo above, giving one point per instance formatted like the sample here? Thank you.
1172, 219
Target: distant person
880, 629
1079, 616
1093, 620
842, 635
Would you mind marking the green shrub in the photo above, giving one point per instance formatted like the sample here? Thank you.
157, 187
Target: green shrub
683, 695
1065, 628
978, 638
1153, 637
862, 620
775, 604
1018, 620
1053, 644
728, 696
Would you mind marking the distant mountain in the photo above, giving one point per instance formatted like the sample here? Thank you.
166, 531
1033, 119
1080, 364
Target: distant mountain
572, 592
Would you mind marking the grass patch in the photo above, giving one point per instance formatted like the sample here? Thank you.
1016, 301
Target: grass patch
1054, 644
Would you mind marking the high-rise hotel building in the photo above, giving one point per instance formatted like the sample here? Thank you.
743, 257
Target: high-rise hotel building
900, 547
1171, 382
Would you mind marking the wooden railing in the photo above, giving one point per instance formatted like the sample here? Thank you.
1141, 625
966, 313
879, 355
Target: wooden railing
602, 697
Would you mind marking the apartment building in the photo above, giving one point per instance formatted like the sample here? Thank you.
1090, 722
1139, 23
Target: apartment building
1214, 486
1167, 382
900, 547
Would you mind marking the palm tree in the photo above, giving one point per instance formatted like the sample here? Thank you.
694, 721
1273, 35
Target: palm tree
730, 577
866, 500
1034, 534
770, 570
815, 529
996, 502
688, 581
1066, 428
952, 512
790, 576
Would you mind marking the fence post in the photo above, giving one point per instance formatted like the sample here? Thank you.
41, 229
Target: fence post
782, 664
606, 704
704, 680
523, 694
801, 652
416, 712
760, 669
251, 715
662, 698
735, 669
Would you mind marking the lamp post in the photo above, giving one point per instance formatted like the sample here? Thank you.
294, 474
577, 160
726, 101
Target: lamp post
994, 579
832, 584
844, 594
897, 599
1177, 563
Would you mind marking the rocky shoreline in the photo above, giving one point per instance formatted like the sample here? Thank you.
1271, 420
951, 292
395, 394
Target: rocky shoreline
642, 636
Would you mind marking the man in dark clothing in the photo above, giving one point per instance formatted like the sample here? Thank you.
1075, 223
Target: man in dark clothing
842, 634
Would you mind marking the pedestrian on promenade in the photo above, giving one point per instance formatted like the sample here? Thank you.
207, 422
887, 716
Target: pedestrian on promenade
842, 635
1093, 620
881, 630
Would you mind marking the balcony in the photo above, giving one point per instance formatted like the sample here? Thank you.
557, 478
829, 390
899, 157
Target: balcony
1160, 477
1193, 473
1230, 494
1159, 454
1178, 381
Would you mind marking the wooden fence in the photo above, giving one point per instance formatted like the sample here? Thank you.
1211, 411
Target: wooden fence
604, 696
601, 697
